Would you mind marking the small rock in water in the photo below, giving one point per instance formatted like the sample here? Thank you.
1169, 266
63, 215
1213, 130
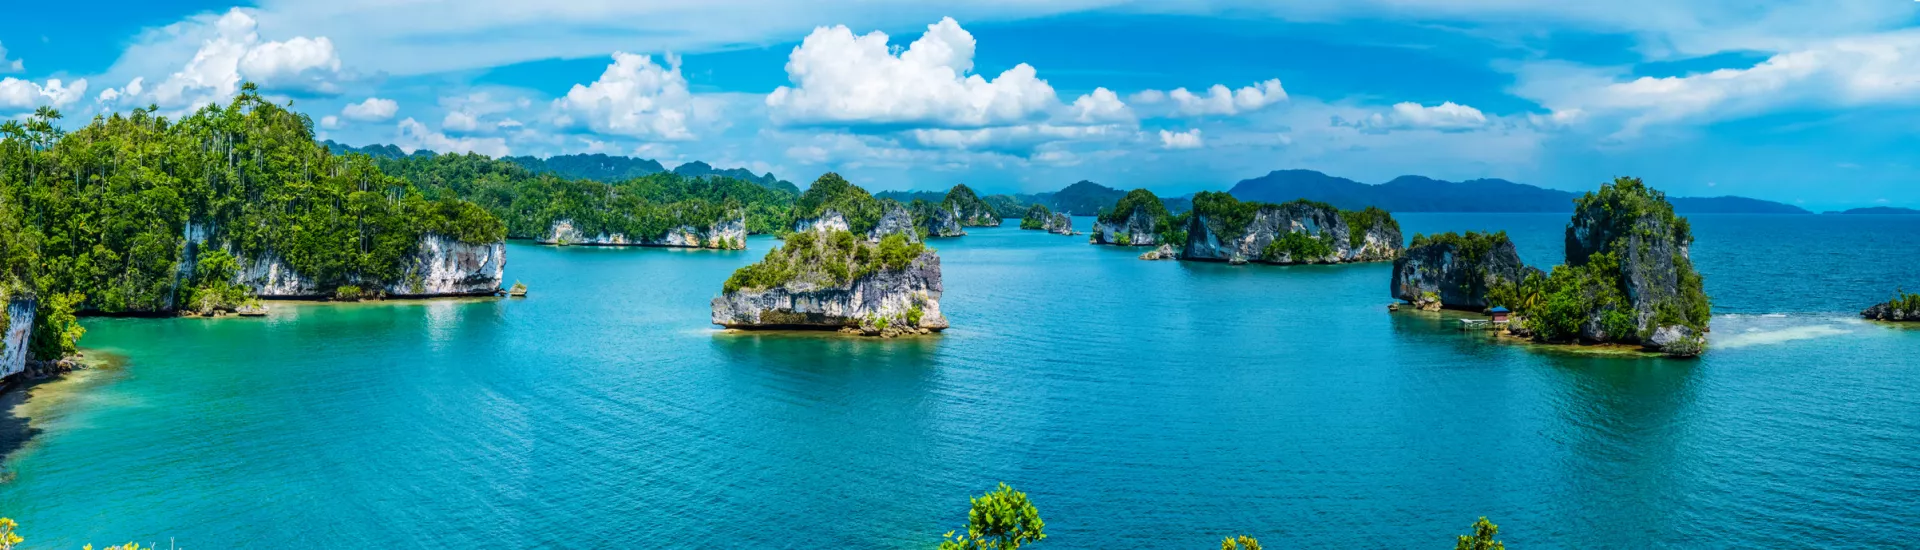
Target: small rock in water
1164, 252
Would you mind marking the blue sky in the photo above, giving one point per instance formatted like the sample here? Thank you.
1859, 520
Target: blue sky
1813, 103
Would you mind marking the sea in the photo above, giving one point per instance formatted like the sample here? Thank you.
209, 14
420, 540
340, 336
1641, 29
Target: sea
1138, 404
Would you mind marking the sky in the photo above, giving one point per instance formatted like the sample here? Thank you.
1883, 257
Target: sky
1812, 103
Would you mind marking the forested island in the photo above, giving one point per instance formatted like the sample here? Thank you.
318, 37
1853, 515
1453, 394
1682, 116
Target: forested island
1222, 228
136, 214
1904, 307
833, 279
1627, 278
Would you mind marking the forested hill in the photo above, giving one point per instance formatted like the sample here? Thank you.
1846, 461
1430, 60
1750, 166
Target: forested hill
107, 218
597, 167
1421, 194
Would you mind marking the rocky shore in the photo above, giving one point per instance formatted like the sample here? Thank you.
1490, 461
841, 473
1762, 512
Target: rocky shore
725, 234
1224, 229
835, 281
1904, 308
1457, 271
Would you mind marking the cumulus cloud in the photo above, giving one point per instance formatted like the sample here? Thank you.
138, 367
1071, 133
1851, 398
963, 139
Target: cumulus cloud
131, 90
373, 109
22, 95
414, 136
460, 121
1189, 139
1874, 69
1009, 139
1445, 117
1219, 100
329, 122
232, 52
633, 97
1099, 106
9, 65
842, 78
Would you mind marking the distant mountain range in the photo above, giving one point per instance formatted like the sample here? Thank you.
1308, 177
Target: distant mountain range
1880, 211
597, 167
1422, 194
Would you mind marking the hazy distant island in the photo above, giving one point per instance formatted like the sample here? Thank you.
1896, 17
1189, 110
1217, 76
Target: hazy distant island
1423, 194
1879, 211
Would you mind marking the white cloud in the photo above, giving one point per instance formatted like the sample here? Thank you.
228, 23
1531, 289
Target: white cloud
633, 97
1010, 139
1189, 139
22, 95
373, 109
1445, 117
1221, 101
9, 65
329, 122
132, 90
460, 121
231, 51
1100, 106
414, 136
1852, 71
842, 78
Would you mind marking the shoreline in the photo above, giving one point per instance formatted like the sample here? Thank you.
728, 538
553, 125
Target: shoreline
1504, 338
25, 403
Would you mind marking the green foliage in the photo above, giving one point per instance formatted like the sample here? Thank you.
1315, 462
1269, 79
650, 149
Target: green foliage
213, 287
972, 211
1242, 543
348, 293
1298, 246
56, 330
1594, 284
1520, 297
1359, 222
1230, 215
1482, 537
1036, 217
829, 259
7, 537
643, 207
105, 212
1904, 301
1124, 239
1006, 206
1138, 199
1000, 520
913, 315
833, 193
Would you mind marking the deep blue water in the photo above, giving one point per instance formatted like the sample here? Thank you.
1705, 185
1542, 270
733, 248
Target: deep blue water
1140, 404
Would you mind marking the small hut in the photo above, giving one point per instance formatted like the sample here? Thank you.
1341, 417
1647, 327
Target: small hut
1499, 314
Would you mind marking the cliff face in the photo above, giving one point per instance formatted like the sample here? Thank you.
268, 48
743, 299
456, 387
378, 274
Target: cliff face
941, 221
1136, 230
444, 266
727, 234
14, 331
976, 214
896, 220
440, 266
1319, 235
1059, 223
873, 303
1459, 277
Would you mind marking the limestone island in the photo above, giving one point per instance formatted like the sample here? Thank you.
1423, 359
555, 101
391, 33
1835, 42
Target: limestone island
727, 232
1040, 218
1628, 280
1904, 307
1457, 271
833, 204
1138, 219
835, 280
1224, 229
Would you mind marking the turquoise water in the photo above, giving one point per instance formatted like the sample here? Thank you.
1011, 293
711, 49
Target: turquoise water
1140, 404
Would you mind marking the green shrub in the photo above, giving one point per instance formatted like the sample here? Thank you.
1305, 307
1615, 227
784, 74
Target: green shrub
1298, 247
833, 259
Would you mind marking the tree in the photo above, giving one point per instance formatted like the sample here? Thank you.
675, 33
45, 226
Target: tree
1000, 520
1242, 543
1482, 537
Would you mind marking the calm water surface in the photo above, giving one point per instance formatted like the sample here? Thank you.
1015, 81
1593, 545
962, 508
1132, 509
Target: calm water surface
1141, 404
